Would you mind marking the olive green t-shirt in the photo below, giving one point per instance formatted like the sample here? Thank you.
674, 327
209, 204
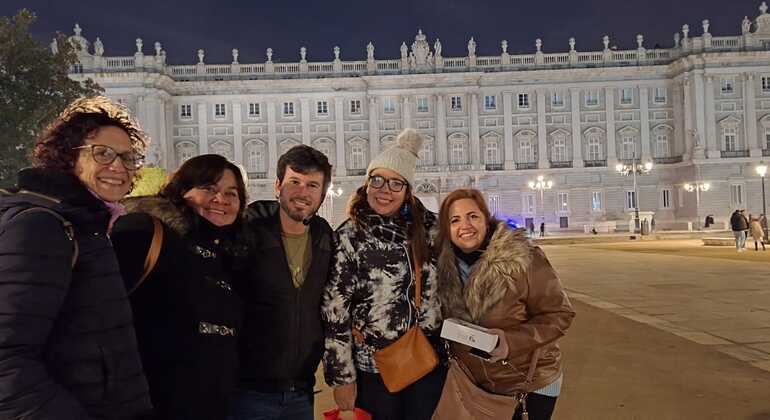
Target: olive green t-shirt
298, 255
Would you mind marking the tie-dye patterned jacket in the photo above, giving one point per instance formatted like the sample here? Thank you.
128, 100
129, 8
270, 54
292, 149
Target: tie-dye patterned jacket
371, 288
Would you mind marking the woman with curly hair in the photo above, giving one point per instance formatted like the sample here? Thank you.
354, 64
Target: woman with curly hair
67, 342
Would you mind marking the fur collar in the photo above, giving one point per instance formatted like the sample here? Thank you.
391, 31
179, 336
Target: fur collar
163, 209
506, 258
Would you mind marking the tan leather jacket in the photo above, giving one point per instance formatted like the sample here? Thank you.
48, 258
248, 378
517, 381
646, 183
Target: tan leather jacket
514, 288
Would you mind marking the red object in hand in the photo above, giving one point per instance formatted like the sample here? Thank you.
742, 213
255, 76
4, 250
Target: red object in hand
358, 413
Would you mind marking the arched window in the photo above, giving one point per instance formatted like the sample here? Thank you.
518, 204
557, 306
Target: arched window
492, 146
458, 149
357, 155
628, 150
526, 150
661, 145
184, 151
426, 153
559, 148
286, 145
326, 146
256, 156
222, 148
595, 147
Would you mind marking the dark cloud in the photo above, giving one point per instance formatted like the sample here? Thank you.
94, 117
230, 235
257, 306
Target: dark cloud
218, 26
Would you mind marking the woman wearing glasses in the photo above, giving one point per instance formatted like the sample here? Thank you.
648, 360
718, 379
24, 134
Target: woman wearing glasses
188, 317
67, 343
369, 302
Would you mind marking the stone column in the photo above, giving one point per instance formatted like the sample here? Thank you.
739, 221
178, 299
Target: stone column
475, 140
153, 124
203, 127
304, 110
644, 107
699, 109
680, 135
339, 123
750, 116
508, 131
542, 135
441, 137
577, 136
169, 151
712, 148
237, 133
406, 114
272, 140
374, 129
609, 98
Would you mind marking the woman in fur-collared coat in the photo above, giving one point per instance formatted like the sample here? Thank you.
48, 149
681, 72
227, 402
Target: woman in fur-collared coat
186, 311
492, 276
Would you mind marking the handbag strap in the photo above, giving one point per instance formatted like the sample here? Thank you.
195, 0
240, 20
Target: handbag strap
417, 280
152, 254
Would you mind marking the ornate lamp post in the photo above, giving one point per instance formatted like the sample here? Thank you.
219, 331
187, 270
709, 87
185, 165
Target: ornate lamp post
541, 184
331, 194
697, 187
634, 169
762, 172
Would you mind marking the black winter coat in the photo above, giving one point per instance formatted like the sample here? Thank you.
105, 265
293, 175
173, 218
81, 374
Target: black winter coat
67, 344
283, 337
187, 315
738, 222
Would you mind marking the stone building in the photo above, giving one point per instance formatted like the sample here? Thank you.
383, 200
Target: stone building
698, 110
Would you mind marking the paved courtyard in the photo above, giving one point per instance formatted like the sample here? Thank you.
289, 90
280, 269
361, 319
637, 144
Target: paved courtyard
665, 330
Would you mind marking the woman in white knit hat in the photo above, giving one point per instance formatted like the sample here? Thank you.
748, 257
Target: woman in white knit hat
369, 301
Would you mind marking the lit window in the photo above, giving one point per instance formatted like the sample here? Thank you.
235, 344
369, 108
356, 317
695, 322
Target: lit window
490, 102
456, 103
596, 201
185, 111
322, 108
524, 100
626, 96
630, 200
357, 156
288, 109
422, 104
355, 106
219, 111
563, 202
389, 106
665, 199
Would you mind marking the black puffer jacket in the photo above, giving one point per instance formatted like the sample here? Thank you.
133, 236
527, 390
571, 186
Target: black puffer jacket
67, 344
283, 336
188, 317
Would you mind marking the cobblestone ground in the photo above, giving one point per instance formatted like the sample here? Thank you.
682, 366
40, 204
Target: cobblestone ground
665, 330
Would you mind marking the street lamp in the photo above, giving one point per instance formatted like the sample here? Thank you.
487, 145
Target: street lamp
331, 194
697, 187
634, 169
762, 172
541, 184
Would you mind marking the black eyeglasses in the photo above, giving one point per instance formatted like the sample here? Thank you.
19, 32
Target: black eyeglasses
395, 185
105, 155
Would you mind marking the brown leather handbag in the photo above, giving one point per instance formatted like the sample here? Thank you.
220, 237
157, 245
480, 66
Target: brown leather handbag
410, 357
461, 398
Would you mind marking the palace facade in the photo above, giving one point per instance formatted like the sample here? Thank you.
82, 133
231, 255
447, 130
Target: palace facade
699, 111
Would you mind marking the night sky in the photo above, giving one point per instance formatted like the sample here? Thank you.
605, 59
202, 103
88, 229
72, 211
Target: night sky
218, 26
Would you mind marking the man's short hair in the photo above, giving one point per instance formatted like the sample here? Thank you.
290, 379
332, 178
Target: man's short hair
305, 159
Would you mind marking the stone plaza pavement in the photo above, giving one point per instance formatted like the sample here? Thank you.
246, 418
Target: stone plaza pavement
664, 330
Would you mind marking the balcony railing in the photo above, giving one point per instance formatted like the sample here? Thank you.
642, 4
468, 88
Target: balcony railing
460, 167
494, 166
735, 153
257, 175
356, 172
526, 165
597, 163
561, 164
667, 160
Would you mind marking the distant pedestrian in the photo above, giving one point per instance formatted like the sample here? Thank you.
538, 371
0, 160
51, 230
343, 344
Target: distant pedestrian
531, 228
739, 225
542, 229
652, 224
755, 228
